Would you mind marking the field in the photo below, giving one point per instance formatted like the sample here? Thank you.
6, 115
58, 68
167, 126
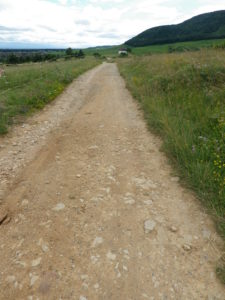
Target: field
183, 99
28, 87
177, 47
156, 49
103, 51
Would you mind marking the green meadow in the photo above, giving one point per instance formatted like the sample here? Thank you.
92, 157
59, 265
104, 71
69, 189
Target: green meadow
27, 87
177, 47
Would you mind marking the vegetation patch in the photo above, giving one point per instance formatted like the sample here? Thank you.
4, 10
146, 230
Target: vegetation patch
28, 87
183, 98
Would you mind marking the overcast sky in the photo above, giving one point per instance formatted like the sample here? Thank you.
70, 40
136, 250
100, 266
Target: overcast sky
84, 23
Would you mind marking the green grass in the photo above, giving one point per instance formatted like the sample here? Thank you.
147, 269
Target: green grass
177, 47
183, 99
104, 51
28, 87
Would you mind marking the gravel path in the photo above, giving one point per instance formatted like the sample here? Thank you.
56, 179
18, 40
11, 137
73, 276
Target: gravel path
90, 209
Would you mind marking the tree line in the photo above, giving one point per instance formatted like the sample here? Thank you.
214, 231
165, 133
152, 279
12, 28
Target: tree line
26, 57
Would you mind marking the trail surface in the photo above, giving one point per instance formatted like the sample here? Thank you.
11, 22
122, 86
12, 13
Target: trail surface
92, 210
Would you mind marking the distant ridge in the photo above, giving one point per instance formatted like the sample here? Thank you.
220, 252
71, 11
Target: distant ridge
201, 27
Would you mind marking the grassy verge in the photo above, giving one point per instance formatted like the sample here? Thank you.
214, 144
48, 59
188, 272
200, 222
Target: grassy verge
26, 88
183, 99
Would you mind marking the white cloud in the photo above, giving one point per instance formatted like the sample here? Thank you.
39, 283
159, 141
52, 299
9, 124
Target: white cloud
72, 23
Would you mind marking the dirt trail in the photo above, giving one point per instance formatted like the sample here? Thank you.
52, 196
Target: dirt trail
95, 212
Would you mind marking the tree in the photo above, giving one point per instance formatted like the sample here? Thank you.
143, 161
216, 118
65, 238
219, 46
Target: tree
69, 51
81, 54
12, 59
97, 55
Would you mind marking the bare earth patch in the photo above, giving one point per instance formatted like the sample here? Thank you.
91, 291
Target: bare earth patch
94, 210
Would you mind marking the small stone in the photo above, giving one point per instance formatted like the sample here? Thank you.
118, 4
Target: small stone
173, 229
125, 268
85, 285
21, 263
129, 201
44, 247
10, 279
95, 258
25, 202
111, 256
93, 147
148, 202
97, 241
187, 247
33, 279
78, 175
83, 298
59, 206
149, 225
36, 262
21, 216
206, 233
96, 286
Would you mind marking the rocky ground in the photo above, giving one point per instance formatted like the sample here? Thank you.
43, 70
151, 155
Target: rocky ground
90, 208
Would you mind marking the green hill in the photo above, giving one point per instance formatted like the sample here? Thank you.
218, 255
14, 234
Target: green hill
202, 27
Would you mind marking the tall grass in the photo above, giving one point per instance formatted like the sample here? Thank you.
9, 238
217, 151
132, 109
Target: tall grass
183, 98
26, 88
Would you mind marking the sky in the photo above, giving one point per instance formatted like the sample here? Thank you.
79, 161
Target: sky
86, 23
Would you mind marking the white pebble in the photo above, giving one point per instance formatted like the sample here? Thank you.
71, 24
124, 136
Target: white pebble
36, 262
59, 206
111, 256
149, 225
97, 241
